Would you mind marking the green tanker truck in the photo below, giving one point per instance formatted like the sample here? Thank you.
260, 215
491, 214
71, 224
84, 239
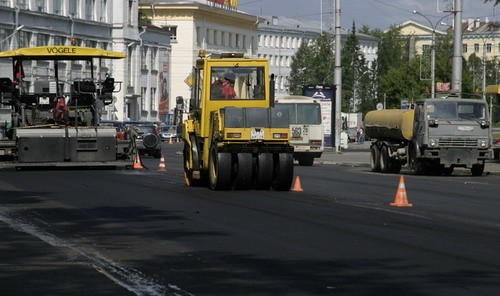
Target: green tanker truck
433, 138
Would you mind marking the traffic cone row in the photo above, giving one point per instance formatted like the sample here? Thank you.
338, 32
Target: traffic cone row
162, 167
401, 199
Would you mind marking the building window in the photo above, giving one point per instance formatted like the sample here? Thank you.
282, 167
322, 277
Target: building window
3, 36
426, 48
23, 4
198, 37
89, 10
42, 39
172, 30
41, 6
104, 11
144, 54
4, 2
143, 98
238, 41
59, 40
58, 7
74, 8
464, 48
154, 52
153, 99
131, 12
476, 47
92, 43
488, 47
208, 36
24, 39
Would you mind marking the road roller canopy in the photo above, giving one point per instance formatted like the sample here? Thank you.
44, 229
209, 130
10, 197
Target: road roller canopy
61, 53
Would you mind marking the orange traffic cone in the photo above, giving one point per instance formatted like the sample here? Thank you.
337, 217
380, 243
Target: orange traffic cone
401, 199
296, 185
137, 161
162, 167
170, 141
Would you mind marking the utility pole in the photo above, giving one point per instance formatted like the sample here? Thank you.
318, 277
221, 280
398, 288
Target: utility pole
337, 77
456, 72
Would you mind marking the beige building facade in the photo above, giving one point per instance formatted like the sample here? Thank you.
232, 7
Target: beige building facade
196, 25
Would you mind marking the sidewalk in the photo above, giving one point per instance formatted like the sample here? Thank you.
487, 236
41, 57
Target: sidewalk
359, 156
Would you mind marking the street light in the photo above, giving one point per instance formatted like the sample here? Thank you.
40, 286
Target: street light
433, 50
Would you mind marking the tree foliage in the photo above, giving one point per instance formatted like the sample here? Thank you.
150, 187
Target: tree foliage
312, 64
395, 74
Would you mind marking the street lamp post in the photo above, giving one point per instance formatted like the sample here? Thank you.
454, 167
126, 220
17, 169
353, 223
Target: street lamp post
433, 51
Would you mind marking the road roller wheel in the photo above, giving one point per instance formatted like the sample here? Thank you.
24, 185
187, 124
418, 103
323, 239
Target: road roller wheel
264, 171
244, 170
219, 169
283, 171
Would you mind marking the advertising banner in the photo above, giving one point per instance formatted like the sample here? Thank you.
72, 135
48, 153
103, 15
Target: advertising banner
325, 95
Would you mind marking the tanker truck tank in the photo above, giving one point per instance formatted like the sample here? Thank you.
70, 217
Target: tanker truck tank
390, 124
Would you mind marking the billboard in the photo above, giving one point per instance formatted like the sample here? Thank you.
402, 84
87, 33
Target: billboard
325, 95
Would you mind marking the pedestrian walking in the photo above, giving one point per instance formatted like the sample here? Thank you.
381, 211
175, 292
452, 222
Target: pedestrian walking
360, 135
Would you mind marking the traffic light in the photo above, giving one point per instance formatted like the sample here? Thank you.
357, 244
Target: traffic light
73, 41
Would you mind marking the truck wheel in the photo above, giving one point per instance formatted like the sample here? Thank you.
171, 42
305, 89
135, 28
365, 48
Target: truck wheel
306, 160
477, 169
416, 165
375, 158
244, 171
384, 160
219, 169
264, 171
283, 171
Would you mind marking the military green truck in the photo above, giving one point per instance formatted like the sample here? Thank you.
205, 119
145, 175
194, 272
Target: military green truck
435, 137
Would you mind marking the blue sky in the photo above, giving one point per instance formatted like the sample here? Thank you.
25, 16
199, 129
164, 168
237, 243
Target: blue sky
374, 13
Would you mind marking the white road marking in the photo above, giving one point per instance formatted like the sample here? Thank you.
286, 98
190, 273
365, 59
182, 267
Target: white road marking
129, 278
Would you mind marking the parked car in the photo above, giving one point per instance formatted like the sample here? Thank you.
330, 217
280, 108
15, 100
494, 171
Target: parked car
148, 139
121, 129
169, 132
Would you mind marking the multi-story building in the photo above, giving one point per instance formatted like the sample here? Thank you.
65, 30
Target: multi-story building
106, 24
479, 37
204, 24
280, 38
219, 26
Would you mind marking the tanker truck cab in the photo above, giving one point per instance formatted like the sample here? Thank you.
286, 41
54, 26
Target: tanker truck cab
451, 132
234, 137
439, 135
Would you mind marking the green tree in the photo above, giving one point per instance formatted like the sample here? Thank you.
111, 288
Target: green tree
298, 67
402, 82
353, 69
312, 64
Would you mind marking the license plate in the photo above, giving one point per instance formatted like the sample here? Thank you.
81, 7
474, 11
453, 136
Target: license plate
257, 134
